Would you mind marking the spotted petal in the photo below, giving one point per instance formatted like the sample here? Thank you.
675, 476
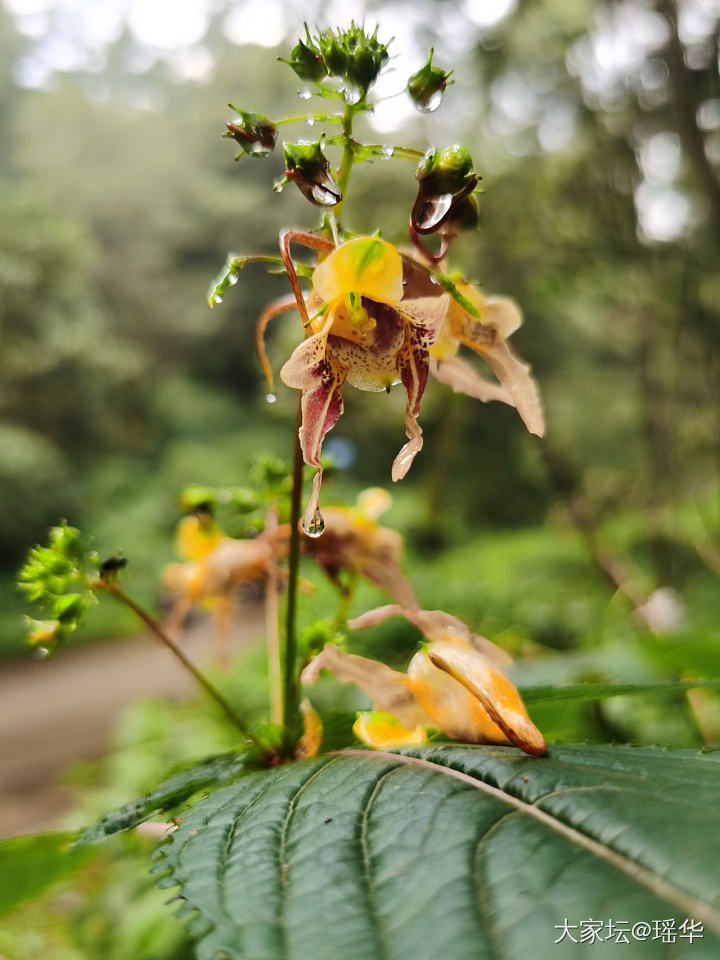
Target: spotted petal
423, 321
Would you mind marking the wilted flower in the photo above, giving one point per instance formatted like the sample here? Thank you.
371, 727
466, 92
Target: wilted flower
455, 685
353, 541
483, 324
361, 333
254, 132
215, 567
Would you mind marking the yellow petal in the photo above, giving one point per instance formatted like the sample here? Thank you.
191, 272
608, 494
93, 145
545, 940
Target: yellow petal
493, 690
381, 730
311, 740
197, 537
367, 265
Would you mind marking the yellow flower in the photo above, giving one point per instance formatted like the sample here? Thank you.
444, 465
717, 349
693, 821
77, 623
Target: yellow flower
455, 685
361, 333
353, 541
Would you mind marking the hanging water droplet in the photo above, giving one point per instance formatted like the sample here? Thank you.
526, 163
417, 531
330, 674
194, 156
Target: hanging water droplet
311, 121
429, 212
304, 93
217, 298
351, 94
325, 197
42, 653
432, 103
315, 526
388, 151
232, 278
259, 148
271, 398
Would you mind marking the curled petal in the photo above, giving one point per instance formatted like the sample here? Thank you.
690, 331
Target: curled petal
436, 625
389, 690
424, 318
321, 379
387, 575
272, 310
382, 730
458, 374
493, 690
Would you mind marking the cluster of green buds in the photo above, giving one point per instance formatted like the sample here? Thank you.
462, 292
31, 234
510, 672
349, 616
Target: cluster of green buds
60, 579
351, 56
445, 199
343, 64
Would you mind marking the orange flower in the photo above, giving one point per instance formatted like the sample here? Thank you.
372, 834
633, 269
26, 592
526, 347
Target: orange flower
455, 685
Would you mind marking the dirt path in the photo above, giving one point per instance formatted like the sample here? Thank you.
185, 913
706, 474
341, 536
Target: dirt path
55, 712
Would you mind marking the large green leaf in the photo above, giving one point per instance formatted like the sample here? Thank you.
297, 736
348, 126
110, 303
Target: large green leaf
454, 852
541, 693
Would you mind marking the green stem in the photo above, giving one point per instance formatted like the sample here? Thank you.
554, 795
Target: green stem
290, 685
348, 155
163, 637
322, 117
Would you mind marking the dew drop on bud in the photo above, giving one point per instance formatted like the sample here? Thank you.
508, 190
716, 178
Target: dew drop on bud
304, 94
315, 526
271, 398
432, 103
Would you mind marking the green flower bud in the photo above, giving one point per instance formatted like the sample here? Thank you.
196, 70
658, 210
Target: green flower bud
254, 132
307, 166
445, 177
306, 60
427, 86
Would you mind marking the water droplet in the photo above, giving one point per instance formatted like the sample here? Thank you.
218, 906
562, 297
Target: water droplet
388, 151
232, 278
351, 94
217, 298
42, 653
259, 149
429, 212
304, 93
323, 196
271, 398
315, 526
432, 103
311, 121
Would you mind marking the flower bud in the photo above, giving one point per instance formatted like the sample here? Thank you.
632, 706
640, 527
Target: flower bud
306, 60
427, 86
254, 132
307, 166
446, 177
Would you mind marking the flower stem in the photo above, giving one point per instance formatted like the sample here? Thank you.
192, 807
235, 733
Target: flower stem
272, 632
290, 685
348, 155
156, 628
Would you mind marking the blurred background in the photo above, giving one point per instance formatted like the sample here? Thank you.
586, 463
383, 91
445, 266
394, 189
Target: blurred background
596, 127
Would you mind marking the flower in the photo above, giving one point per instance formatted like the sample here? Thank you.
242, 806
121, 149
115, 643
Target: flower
455, 685
353, 541
483, 324
361, 333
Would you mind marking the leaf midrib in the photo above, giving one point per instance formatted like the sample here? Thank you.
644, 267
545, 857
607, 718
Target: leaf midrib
657, 885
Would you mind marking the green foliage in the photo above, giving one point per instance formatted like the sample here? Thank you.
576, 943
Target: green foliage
516, 845
60, 578
170, 794
30, 864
